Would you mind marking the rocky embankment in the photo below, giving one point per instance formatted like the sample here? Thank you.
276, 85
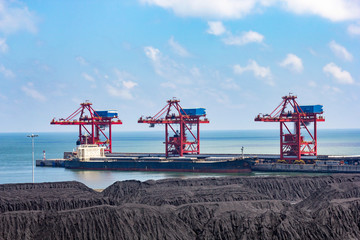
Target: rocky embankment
326, 207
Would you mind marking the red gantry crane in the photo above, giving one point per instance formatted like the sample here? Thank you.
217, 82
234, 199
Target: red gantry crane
92, 125
185, 140
292, 143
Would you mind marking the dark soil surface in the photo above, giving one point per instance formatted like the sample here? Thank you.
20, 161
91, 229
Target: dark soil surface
326, 207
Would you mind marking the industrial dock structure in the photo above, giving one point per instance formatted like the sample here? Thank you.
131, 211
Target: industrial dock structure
179, 122
92, 125
298, 143
293, 145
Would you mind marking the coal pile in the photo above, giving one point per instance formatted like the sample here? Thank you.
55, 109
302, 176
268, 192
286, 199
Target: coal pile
301, 207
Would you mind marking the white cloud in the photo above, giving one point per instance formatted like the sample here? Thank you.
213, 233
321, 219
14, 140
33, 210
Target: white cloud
123, 76
129, 84
15, 16
216, 28
177, 48
313, 52
3, 46
119, 92
81, 60
6, 72
99, 75
354, 29
340, 51
88, 77
122, 86
292, 62
229, 84
335, 10
32, 92
152, 53
195, 72
329, 89
245, 38
258, 71
341, 76
167, 68
206, 8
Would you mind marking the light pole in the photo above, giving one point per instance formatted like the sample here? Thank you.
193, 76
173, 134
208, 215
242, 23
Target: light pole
32, 136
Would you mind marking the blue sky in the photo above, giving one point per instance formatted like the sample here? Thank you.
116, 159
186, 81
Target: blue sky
234, 58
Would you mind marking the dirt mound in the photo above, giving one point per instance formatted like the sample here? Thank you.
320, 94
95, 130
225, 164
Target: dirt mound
208, 208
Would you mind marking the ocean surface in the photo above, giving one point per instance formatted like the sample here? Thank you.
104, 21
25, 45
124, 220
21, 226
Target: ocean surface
16, 153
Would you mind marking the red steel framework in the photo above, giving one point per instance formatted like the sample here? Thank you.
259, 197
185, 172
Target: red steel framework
92, 125
292, 144
171, 115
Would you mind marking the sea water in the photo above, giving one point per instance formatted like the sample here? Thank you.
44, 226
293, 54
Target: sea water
16, 153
